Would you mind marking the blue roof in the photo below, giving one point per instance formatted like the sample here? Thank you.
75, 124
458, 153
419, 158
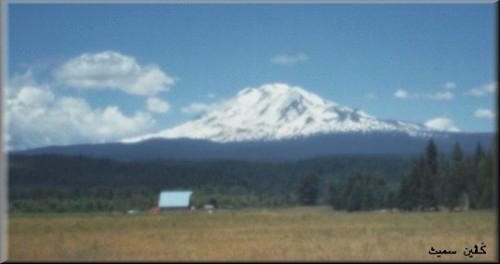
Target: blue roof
174, 198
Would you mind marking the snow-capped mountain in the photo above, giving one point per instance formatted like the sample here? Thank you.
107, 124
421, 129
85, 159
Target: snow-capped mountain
279, 111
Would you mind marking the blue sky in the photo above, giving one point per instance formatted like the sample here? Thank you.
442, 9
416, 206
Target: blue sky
439, 59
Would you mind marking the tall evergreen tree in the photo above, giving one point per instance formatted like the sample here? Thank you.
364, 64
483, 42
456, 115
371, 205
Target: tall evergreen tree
478, 153
475, 184
476, 189
333, 193
430, 178
431, 155
486, 183
419, 189
308, 190
427, 196
456, 178
354, 198
404, 196
441, 183
410, 192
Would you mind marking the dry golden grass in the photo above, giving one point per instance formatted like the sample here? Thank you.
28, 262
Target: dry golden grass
298, 234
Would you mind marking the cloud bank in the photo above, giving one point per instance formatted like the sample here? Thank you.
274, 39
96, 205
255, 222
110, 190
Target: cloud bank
37, 117
113, 70
441, 96
287, 59
484, 113
401, 94
450, 85
443, 124
157, 105
482, 90
444, 94
196, 108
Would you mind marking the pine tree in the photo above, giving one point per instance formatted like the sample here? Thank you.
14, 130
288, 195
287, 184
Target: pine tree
478, 153
333, 193
404, 198
430, 178
427, 197
431, 155
486, 183
213, 202
410, 194
456, 179
355, 197
475, 182
308, 190
441, 183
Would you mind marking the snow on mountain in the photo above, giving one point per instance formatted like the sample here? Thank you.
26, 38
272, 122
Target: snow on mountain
279, 111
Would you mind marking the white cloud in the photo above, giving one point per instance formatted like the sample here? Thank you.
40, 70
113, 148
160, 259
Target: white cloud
36, 117
34, 95
442, 123
441, 96
401, 94
450, 85
196, 108
371, 96
484, 113
157, 105
286, 59
445, 94
113, 70
482, 90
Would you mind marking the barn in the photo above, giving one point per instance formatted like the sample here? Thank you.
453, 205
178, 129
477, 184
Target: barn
174, 200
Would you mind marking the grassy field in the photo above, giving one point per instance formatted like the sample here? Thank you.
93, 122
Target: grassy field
297, 234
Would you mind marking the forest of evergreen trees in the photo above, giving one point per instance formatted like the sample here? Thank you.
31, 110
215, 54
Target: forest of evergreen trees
433, 181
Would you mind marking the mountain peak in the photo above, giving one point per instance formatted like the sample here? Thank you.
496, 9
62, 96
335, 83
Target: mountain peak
279, 111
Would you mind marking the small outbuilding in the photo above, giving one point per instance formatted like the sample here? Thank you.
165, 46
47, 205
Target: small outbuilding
174, 200
208, 207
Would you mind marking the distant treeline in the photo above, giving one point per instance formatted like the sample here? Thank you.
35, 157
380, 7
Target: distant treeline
67, 183
56, 183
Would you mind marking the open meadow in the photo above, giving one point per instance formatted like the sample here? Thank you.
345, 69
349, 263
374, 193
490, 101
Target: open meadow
295, 234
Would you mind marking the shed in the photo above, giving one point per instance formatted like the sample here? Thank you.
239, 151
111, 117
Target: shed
171, 200
208, 207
